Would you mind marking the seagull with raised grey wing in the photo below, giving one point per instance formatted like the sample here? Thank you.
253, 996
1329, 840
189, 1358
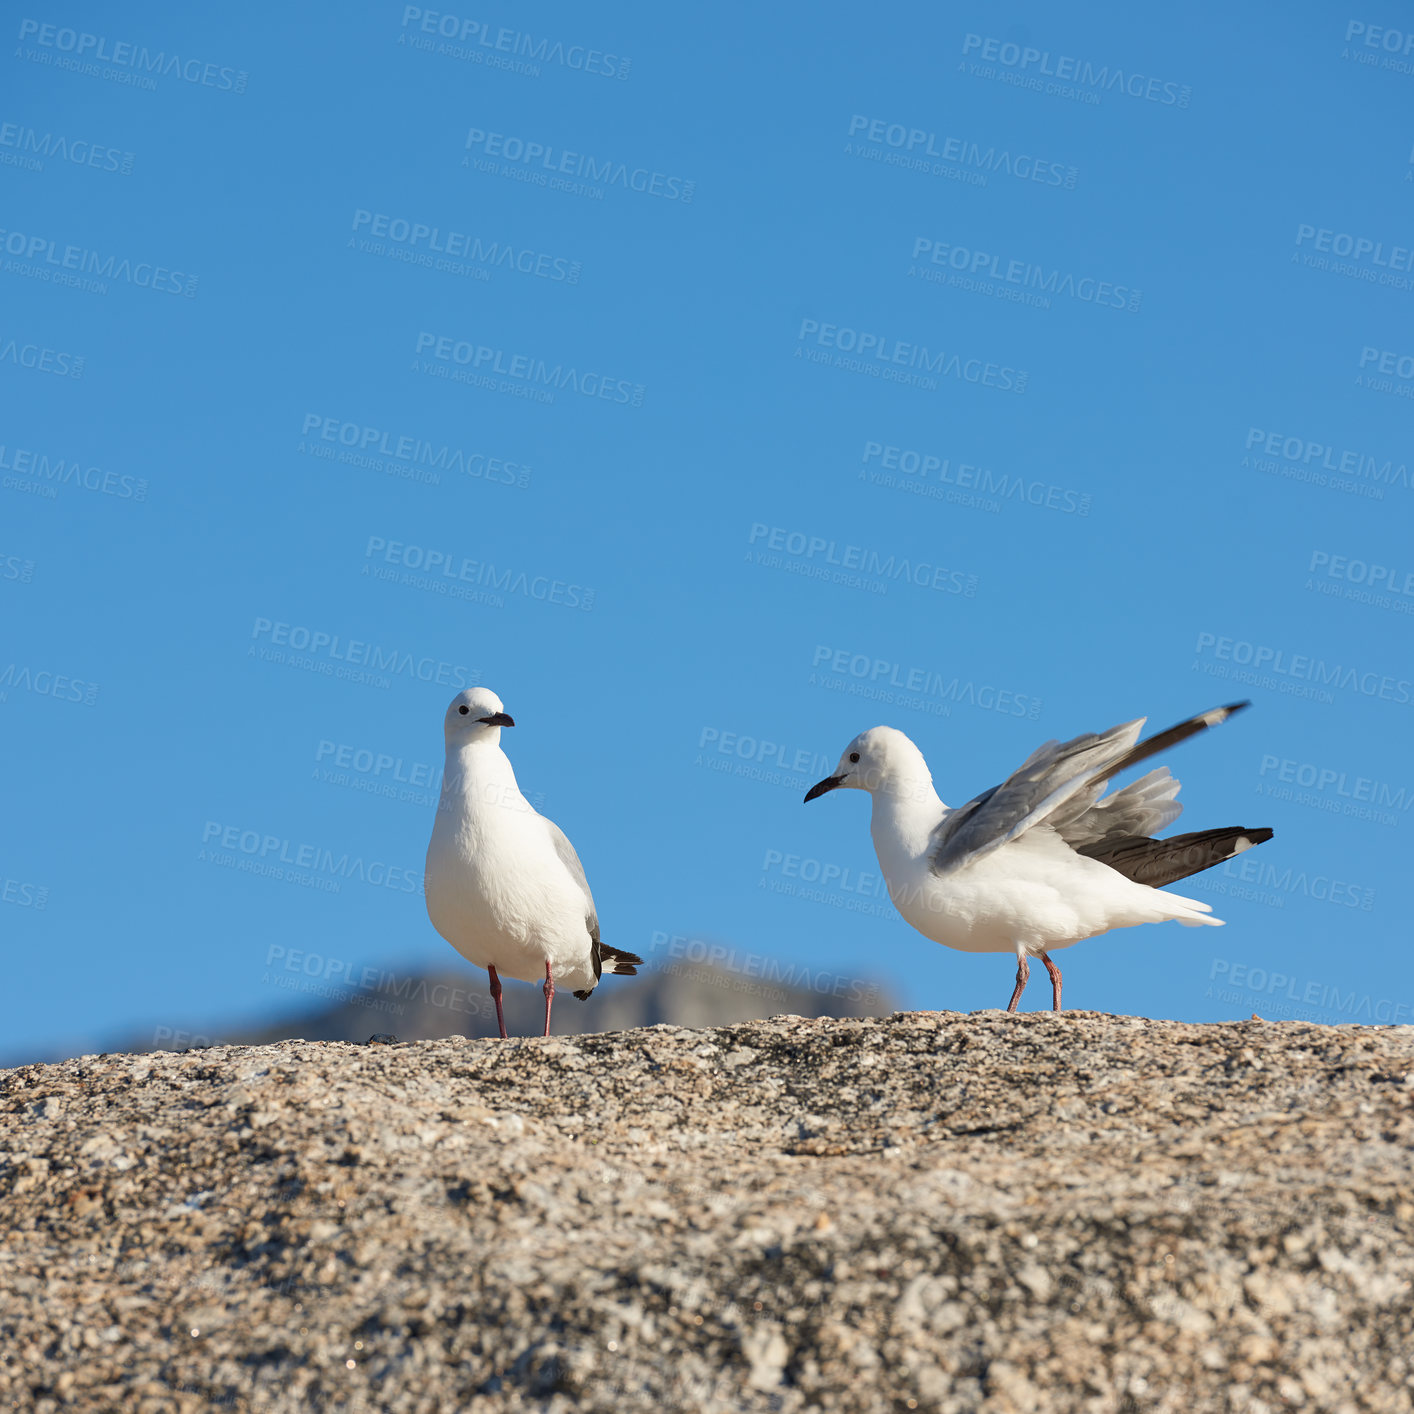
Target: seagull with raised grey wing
504, 886
1040, 861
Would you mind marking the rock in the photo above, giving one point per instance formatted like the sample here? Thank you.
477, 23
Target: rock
928, 1211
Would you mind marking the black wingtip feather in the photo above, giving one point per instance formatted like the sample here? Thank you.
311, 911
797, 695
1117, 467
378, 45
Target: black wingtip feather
1173, 736
614, 960
622, 961
1160, 862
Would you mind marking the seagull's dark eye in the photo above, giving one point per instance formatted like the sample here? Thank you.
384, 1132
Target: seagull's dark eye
854, 756
463, 709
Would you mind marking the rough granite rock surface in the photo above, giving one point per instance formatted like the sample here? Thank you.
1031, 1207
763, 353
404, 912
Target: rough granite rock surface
927, 1211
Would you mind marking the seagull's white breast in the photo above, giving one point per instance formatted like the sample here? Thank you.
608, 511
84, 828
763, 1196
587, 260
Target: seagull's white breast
497, 890
1035, 890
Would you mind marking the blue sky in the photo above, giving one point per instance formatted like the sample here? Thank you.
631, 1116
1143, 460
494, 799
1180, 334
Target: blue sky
712, 387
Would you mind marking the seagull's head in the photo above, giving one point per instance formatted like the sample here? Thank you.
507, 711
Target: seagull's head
882, 758
475, 715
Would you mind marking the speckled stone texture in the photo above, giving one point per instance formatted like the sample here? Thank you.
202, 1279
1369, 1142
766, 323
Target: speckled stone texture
929, 1211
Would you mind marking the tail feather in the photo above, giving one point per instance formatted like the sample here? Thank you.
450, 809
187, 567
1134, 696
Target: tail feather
1186, 912
1160, 862
1198, 919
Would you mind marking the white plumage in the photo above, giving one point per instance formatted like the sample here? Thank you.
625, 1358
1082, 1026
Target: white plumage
1040, 861
504, 885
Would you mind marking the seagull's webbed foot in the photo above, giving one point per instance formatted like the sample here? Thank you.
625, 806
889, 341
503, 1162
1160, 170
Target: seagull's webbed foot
1055, 981
1023, 971
548, 987
496, 997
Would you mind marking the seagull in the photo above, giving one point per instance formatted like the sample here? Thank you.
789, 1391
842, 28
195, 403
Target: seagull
504, 886
1040, 861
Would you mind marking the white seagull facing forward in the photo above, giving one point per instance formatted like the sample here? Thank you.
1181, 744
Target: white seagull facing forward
1040, 861
504, 886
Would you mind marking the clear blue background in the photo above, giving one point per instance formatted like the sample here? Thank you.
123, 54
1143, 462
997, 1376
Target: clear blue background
642, 717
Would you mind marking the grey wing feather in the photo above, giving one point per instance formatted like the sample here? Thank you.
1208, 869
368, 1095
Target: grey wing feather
1144, 807
1060, 783
1046, 780
571, 862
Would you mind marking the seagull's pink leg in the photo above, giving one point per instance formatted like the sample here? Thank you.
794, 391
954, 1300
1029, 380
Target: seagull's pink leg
1023, 971
496, 997
1055, 981
549, 989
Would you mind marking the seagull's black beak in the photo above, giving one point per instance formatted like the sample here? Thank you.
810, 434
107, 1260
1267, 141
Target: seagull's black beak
820, 787
498, 719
